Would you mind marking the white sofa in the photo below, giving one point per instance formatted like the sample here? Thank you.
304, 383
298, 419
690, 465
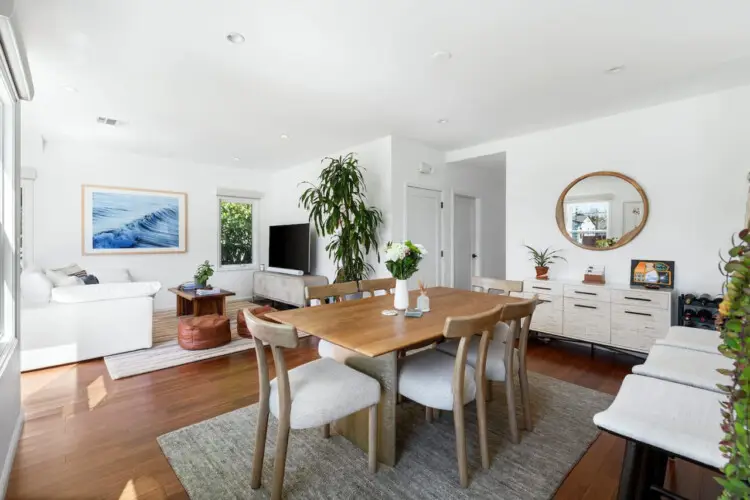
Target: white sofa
74, 322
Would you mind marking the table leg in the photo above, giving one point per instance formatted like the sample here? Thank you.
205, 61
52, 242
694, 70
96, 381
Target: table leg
222, 306
355, 427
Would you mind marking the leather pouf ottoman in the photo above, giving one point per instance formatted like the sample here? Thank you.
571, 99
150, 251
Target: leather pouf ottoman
203, 332
242, 329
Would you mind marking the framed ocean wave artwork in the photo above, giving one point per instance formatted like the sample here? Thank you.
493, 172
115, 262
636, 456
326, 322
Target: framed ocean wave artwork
122, 220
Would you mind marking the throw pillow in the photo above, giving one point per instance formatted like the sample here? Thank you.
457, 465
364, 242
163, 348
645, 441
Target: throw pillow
90, 279
60, 279
72, 270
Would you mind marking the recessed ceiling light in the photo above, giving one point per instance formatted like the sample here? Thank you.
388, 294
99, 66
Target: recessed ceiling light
235, 37
69, 88
442, 121
442, 55
284, 137
615, 69
236, 158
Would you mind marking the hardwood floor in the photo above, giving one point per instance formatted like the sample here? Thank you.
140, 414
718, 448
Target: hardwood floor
87, 436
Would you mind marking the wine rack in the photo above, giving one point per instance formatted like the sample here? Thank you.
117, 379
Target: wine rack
697, 312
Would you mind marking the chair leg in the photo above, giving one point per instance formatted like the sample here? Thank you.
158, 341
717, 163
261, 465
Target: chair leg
428, 414
260, 444
482, 425
510, 395
372, 446
463, 461
488, 391
326, 431
525, 398
279, 465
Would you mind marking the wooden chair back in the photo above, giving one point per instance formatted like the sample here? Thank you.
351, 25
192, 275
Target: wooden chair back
500, 287
518, 315
376, 285
336, 290
465, 327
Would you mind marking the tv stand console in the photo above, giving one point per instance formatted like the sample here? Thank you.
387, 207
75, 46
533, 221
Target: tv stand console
284, 288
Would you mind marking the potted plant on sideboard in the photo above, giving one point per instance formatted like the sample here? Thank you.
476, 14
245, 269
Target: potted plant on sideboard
338, 208
543, 259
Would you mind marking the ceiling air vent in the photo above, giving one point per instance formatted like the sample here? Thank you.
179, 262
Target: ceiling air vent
103, 120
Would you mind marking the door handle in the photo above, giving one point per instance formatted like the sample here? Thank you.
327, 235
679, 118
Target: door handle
474, 256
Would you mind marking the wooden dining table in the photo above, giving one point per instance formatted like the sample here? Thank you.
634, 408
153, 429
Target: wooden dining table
369, 342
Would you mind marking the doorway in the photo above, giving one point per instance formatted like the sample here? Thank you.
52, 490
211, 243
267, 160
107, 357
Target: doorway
465, 264
423, 226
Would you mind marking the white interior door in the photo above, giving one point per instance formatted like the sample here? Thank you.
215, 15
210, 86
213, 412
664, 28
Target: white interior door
423, 226
464, 240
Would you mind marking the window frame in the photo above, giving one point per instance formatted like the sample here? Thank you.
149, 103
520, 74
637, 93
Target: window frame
255, 203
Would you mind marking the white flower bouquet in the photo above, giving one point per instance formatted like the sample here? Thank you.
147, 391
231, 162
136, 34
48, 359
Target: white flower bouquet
402, 259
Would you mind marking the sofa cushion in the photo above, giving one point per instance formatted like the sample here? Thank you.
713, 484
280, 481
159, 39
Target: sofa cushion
105, 291
116, 275
36, 288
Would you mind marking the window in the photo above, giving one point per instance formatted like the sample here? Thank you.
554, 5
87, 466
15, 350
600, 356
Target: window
589, 220
238, 233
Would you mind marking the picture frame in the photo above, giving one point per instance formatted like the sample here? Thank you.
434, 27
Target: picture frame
652, 273
117, 220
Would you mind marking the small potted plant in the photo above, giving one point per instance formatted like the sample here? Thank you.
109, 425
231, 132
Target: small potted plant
542, 260
202, 274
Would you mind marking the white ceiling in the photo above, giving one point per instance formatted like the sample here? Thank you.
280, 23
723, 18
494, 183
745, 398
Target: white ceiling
333, 73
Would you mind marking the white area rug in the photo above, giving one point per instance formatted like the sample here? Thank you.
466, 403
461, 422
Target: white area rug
166, 355
166, 352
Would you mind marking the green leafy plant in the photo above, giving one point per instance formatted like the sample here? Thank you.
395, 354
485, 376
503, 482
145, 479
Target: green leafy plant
236, 233
605, 242
338, 208
732, 322
402, 259
545, 257
203, 273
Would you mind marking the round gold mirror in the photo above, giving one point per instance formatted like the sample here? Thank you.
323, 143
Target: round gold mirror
602, 210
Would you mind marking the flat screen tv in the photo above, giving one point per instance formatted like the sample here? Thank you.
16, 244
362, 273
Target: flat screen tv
289, 247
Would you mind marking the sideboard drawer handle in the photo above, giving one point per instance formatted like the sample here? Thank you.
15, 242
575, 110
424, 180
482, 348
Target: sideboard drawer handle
638, 298
585, 307
540, 288
584, 293
637, 313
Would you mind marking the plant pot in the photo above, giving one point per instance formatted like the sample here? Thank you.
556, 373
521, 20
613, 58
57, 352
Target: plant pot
401, 297
542, 273
201, 284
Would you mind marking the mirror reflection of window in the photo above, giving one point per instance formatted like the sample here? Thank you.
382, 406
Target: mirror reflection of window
587, 222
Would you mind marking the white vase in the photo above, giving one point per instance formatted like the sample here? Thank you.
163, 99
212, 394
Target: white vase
401, 298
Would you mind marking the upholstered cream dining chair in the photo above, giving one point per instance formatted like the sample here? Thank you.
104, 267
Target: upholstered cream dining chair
386, 285
311, 395
337, 292
504, 359
437, 380
496, 286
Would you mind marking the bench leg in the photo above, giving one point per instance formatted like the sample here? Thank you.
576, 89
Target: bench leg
642, 467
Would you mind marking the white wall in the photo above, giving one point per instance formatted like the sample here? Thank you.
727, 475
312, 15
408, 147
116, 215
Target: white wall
690, 157
485, 183
64, 167
280, 203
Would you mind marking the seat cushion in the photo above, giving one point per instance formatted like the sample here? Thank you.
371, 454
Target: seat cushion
495, 370
427, 378
686, 366
697, 339
323, 391
674, 417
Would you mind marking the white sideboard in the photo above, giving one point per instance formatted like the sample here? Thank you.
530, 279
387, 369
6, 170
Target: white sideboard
285, 288
610, 315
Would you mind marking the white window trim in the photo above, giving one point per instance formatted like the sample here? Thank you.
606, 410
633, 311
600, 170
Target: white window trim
27, 222
255, 202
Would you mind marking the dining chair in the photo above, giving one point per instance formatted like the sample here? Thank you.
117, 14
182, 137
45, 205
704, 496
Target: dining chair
505, 287
386, 285
336, 291
439, 381
311, 395
503, 359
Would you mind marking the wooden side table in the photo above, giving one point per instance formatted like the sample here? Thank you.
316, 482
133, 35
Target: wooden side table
188, 302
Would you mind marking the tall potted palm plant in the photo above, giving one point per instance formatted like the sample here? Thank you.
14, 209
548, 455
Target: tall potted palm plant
338, 208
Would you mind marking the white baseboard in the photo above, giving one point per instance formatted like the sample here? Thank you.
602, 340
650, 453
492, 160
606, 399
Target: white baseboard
8, 464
